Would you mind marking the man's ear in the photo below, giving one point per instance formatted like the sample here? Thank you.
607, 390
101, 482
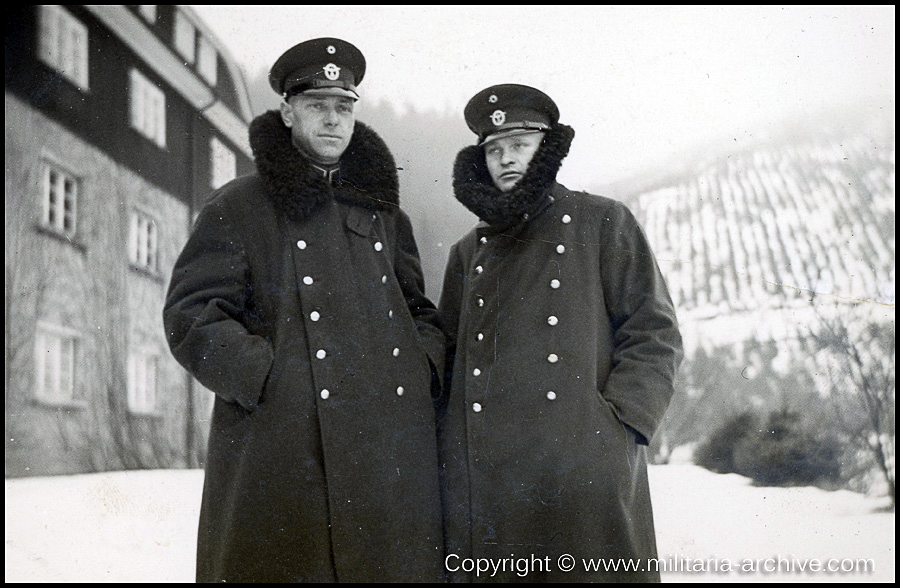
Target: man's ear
286, 113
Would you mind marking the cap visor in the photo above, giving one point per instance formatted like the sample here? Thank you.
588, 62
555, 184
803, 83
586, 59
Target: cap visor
331, 91
508, 133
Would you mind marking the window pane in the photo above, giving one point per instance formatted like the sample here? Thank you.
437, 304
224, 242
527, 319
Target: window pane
148, 12
207, 60
184, 37
62, 44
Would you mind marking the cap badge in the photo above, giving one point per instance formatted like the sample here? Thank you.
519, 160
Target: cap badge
332, 72
493, 98
498, 118
331, 49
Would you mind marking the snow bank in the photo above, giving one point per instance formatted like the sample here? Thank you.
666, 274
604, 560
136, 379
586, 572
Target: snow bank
141, 526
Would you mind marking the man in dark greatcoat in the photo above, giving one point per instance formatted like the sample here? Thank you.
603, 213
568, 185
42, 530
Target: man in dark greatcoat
564, 346
298, 300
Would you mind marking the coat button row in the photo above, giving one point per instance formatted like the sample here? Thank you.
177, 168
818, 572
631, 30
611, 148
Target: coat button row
560, 249
476, 372
566, 219
308, 280
324, 394
314, 316
378, 246
554, 284
301, 244
476, 407
552, 321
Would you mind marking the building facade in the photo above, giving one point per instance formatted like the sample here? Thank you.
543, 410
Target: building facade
120, 120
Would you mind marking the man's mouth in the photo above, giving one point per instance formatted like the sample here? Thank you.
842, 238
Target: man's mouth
509, 175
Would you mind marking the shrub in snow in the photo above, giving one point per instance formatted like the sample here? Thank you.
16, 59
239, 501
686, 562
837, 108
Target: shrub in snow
775, 449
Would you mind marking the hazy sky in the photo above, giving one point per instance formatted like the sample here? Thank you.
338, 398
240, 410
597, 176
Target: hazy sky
640, 85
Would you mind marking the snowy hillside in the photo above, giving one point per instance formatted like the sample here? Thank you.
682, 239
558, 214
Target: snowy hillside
750, 234
140, 526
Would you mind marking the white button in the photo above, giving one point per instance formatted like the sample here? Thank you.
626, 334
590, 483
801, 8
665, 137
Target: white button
374, 217
476, 407
324, 394
480, 336
307, 280
301, 244
552, 358
314, 316
566, 219
560, 249
378, 246
481, 302
390, 314
396, 352
551, 395
483, 240
384, 279
552, 321
321, 354
479, 269
476, 372
554, 284
400, 390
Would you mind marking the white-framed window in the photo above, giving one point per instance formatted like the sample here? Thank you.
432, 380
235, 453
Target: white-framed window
54, 353
142, 372
223, 163
63, 44
59, 199
148, 12
148, 108
207, 60
143, 242
185, 42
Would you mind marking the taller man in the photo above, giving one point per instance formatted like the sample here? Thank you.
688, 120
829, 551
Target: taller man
564, 345
299, 300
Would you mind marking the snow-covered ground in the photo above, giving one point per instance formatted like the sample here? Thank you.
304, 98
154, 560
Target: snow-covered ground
140, 526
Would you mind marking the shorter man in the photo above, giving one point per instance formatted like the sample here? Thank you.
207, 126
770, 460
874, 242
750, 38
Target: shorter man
564, 346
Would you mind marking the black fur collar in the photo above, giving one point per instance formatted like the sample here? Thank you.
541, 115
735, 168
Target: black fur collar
474, 188
368, 175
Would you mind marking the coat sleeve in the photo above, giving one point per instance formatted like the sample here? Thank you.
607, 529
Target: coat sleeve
408, 270
647, 346
206, 308
450, 308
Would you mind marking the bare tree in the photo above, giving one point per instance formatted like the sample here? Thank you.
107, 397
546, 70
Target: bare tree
857, 352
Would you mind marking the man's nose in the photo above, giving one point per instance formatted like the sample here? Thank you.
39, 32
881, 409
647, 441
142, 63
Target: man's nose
331, 117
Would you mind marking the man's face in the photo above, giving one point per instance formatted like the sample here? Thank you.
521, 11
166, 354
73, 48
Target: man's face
321, 125
508, 157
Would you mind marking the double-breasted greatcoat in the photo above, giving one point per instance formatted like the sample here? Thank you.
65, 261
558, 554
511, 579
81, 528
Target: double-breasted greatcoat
564, 345
299, 302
